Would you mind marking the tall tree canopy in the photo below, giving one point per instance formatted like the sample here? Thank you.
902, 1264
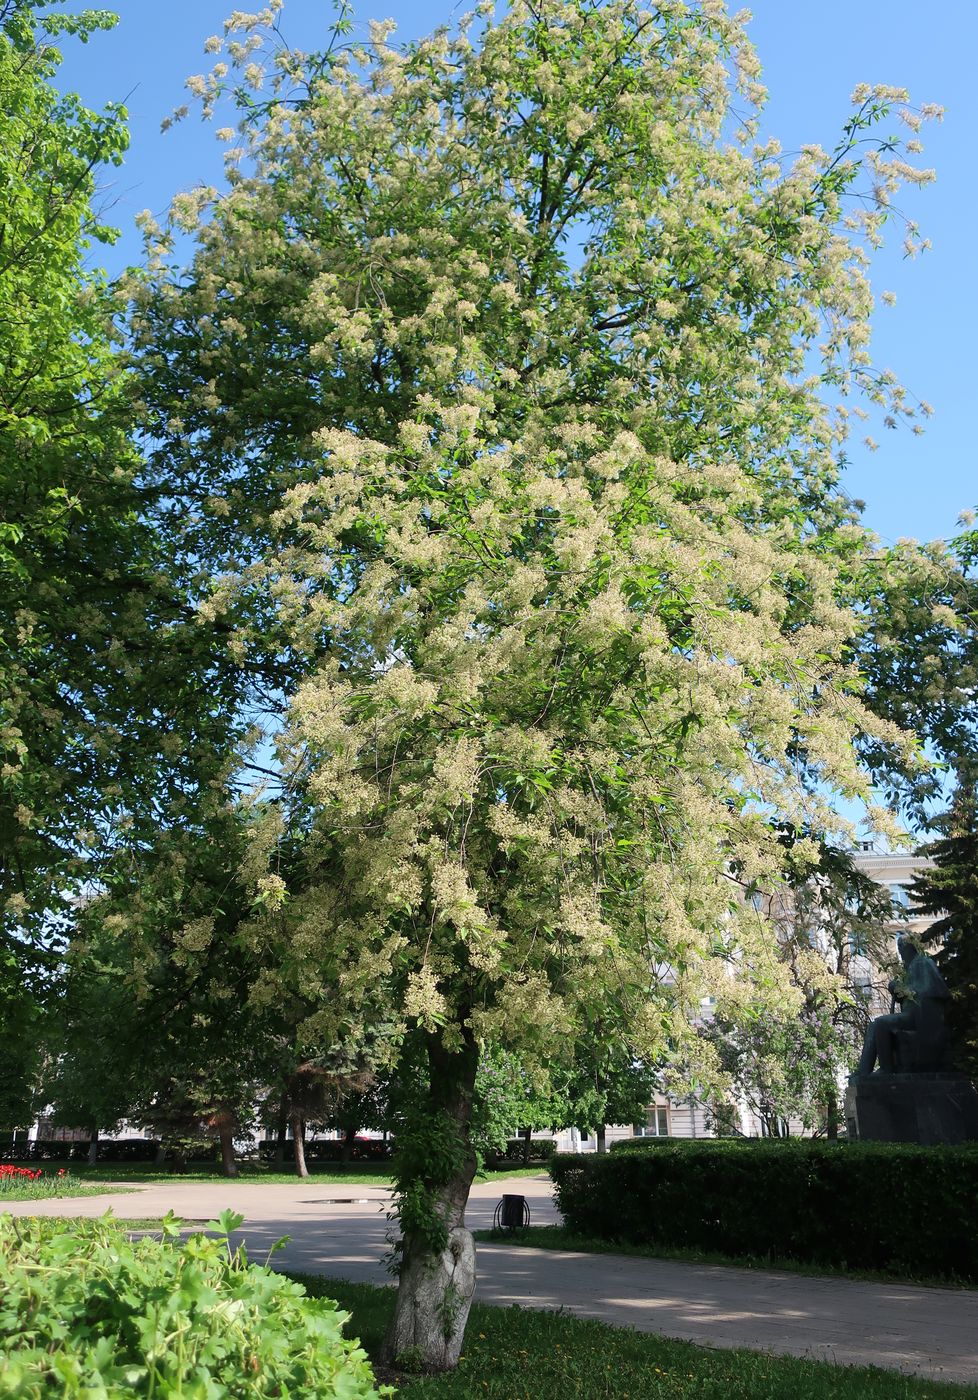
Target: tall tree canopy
116, 709
68, 532
495, 388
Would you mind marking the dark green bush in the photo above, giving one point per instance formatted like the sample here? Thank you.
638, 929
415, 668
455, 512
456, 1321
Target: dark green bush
87, 1312
518, 1150
885, 1206
642, 1144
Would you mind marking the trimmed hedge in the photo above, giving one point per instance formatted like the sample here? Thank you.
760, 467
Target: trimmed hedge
518, 1151
331, 1150
642, 1144
87, 1312
883, 1206
54, 1150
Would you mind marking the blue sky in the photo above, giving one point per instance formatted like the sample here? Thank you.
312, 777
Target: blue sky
814, 53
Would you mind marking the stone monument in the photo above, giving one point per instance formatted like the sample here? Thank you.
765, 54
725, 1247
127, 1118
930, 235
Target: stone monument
914, 1095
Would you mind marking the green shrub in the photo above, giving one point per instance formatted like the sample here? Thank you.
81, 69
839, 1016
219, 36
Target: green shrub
518, 1150
642, 1144
87, 1312
881, 1206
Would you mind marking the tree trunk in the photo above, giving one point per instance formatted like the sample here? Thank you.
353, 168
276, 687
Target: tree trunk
281, 1131
832, 1118
526, 1134
299, 1144
161, 1154
93, 1147
349, 1138
436, 1285
225, 1129
601, 1136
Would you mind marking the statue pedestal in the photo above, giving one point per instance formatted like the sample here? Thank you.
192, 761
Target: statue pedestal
925, 1108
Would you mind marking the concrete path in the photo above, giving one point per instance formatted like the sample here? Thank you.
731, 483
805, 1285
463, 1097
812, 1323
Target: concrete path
342, 1230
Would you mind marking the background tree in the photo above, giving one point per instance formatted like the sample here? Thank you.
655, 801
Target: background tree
25, 1032
948, 891
164, 945
94, 1044
835, 941
606, 1083
116, 710
318, 1092
918, 650
368, 1107
64, 499
519, 345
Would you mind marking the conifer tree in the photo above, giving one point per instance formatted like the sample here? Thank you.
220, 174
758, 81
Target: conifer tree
948, 890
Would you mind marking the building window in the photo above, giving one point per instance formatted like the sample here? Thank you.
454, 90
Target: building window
898, 893
656, 1124
858, 945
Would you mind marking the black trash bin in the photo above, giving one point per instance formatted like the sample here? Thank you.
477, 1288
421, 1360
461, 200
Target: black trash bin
512, 1213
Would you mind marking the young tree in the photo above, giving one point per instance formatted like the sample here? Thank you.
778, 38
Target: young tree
514, 346
96, 1038
834, 937
918, 649
164, 944
948, 890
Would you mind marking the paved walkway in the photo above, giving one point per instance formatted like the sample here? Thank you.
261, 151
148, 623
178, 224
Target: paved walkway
342, 1230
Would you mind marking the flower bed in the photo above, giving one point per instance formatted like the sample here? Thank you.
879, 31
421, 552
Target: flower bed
34, 1184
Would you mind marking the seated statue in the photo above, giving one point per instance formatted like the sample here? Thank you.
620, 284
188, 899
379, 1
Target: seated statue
913, 1040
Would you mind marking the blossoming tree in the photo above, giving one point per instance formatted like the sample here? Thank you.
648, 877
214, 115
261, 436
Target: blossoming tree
497, 387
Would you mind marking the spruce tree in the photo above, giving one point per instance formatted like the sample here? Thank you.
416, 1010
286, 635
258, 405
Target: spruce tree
948, 889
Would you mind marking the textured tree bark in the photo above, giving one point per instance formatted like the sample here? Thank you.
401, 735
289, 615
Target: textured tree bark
349, 1138
435, 1287
602, 1138
299, 1144
281, 1131
93, 1147
225, 1129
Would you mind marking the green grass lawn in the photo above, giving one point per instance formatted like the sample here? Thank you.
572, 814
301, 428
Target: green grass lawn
518, 1354
556, 1237
51, 1186
360, 1174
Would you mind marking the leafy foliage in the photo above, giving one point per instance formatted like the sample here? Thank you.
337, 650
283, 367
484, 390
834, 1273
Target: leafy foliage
162, 948
68, 530
535, 613
112, 719
919, 654
87, 1310
24, 1032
